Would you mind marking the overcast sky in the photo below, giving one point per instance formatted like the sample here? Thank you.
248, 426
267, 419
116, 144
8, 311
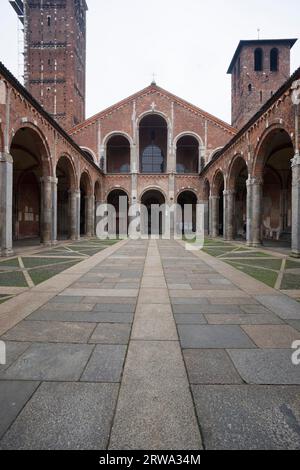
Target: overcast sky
188, 44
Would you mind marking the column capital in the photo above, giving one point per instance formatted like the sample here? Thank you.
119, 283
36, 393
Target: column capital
254, 180
214, 197
229, 192
49, 179
6, 157
295, 160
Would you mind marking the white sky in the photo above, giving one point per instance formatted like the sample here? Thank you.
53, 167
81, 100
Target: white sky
188, 44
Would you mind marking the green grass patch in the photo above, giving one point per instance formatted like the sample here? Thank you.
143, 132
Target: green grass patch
14, 263
267, 277
290, 264
274, 264
40, 275
249, 254
12, 279
33, 262
290, 281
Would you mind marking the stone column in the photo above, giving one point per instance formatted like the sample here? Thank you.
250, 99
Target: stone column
296, 206
74, 215
254, 210
90, 214
6, 203
205, 203
229, 199
54, 211
249, 212
214, 204
46, 210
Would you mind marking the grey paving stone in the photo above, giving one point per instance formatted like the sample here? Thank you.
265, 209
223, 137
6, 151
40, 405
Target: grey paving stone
295, 324
107, 300
50, 361
90, 317
115, 308
254, 309
188, 301
210, 366
221, 281
51, 331
233, 301
13, 396
266, 366
199, 308
282, 305
107, 333
79, 307
213, 336
272, 336
249, 417
65, 416
192, 319
13, 351
105, 364
243, 319
66, 299
155, 409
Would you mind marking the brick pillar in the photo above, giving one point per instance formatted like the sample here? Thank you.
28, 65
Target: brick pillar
6, 198
214, 205
46, 210
229, 199
74, 214
296, 206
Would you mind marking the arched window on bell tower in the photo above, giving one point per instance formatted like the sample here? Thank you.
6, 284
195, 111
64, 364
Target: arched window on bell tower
258, 60
274, 59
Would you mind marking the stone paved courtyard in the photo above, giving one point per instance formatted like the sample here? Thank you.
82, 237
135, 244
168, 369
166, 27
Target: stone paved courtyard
146, 345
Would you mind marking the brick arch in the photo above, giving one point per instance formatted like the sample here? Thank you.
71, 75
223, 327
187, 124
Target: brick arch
116, 188
97, 190
236, 165
44, 154
151, 113
89, 152
217, 180
260, 153
115, 134
85, 177
182, 190
153, 188
74, 183
188, 134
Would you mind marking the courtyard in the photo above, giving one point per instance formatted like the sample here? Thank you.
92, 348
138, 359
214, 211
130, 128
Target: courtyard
146, 345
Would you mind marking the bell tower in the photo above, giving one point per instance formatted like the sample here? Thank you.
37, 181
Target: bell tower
258, 68
55, 55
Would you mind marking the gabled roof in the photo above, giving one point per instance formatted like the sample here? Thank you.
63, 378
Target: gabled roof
259, 42
153, 88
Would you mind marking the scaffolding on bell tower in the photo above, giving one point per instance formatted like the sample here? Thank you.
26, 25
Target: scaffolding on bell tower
18, 6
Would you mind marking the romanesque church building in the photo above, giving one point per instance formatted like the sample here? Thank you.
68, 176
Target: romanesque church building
152, 147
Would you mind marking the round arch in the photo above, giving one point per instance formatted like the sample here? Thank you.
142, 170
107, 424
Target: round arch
66, 186
152, 222
188, 133
118, 154
31, 163
272, 167
90, 154
187, 154
153, 143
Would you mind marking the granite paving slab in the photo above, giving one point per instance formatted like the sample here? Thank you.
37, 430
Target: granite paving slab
249, 417
105, 364
213, 336
82, 422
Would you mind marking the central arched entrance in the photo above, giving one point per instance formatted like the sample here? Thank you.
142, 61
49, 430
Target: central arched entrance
187, 200
152, 200
118, 198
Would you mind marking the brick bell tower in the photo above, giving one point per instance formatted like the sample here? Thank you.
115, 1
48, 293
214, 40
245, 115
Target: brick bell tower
258, 68
55, 55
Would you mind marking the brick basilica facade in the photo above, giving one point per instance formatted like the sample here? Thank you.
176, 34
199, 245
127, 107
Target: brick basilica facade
153, 147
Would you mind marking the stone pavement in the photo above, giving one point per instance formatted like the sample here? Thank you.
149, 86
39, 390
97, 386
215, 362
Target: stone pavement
151, 346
